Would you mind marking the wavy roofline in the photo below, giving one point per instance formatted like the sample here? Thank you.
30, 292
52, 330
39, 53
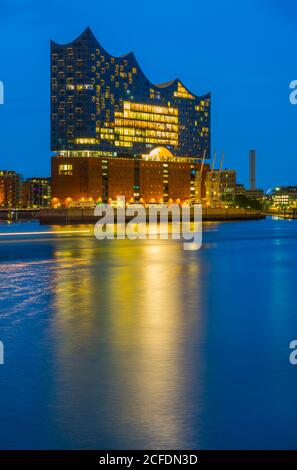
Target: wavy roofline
160, 86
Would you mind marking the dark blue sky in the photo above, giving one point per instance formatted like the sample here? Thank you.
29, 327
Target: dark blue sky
243, 52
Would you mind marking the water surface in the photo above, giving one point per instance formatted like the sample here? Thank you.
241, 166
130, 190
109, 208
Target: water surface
139, 344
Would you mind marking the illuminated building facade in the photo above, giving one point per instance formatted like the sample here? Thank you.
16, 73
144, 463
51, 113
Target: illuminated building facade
36, 192
10, 189
255, 194
103, 105
285, 196
80, 181
220, 186
240, 189
227, 183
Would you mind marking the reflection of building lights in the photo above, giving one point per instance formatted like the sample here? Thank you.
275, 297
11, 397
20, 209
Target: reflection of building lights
52, 232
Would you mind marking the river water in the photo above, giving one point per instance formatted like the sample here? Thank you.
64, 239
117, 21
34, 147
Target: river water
140, 344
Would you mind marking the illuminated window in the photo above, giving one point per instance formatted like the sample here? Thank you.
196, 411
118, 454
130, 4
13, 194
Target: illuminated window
65, 170
182, 92
143, 123
81, 141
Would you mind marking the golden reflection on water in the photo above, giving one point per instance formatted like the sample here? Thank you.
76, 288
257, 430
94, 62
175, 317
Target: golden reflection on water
122, 328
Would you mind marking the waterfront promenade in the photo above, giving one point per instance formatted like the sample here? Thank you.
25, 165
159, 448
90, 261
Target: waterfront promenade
77, 215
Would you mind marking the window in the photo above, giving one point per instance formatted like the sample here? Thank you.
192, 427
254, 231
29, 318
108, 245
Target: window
65, 170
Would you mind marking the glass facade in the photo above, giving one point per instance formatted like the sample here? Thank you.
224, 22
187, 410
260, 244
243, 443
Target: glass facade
101, 103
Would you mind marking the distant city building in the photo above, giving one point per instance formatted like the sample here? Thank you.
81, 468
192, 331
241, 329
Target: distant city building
103, 105
10, 189
228, 183
252, 161
284, 196
240, 190
36, 192
220, 186
256, 194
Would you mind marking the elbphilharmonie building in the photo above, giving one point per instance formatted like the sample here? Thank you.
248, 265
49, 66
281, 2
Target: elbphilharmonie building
117, 134
105, 105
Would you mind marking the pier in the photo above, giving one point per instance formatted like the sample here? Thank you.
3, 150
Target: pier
86, 215
19, 214
287, 213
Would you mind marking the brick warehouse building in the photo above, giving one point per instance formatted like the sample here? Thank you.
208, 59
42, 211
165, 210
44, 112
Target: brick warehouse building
117, 134
103, 179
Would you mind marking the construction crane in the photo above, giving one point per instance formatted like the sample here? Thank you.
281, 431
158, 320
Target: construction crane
198, 181
217, 183
210, 182
222, 161
213, 162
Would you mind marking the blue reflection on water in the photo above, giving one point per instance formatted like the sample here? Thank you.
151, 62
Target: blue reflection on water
140, 344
